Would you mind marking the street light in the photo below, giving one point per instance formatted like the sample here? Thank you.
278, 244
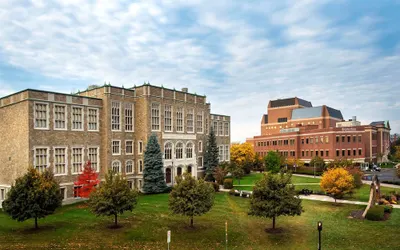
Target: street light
319, 234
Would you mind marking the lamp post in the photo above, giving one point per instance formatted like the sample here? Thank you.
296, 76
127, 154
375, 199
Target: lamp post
319, 234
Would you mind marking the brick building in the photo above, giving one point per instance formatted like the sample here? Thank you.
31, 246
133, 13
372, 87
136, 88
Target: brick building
298, 130
109, 126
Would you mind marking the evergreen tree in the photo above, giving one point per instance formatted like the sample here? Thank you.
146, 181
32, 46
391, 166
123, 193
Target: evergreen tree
191, 197
211, 155
34, 195
113, 197
273, 196
153, 175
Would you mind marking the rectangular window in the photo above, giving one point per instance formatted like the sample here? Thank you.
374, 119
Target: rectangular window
316, 140
226, 152
302, 153
337, 139
354, 138
179, 119
200, 146
342, 138
200, 163
220, 128
311, 153
93, 157
348, 139
359, 151
206, 126
215, 127
77, 160
343, 152
129, 147
60, 161
129, 166
128, 117
226, 128
116, 147
93, 119
115, 116
282, 119
155, 116
168, 118
189, 121
307, 153
2, 194
62, 192
326, 139
41, 159
322, 153
41, 115
130, 184
337, 153
348, 152
77, 118
327, 153
140, 184
311, 140
359, 138
199, 121
221, 153
316, 152
60, 119
140, 147
306, 140
140, 163
302, 141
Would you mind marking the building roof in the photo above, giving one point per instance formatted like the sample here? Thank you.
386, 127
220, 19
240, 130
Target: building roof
304, 113
304, 103
384, 123
334, 113
289, 102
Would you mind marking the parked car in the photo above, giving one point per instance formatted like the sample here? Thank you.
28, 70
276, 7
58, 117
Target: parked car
376, 168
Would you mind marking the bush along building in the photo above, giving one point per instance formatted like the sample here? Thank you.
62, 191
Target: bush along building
296, 129
109, 126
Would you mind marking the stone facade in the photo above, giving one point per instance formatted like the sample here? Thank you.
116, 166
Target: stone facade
107, 125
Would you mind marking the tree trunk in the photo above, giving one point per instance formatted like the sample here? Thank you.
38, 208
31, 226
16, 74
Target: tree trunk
115, 219
273, 222
36, 225
191, 221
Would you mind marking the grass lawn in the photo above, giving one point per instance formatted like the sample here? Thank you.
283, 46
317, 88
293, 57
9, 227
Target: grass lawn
253, 177
361, 194
146, 228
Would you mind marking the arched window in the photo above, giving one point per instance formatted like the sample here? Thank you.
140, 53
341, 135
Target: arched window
116, 166
189, 169
168, 151
129, 166
179, 150
179, 171
168, 175
189, 150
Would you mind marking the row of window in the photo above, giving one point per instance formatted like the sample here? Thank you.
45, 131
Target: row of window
320, 153
181, 151
223, 153
117, 167
41, 159
190, 118
116, 116
60, 117
276, 143
116, 147
311, 140
281, 120
349, 152
221, 128
348, 138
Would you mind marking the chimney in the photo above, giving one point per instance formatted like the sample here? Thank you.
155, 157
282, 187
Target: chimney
185, 90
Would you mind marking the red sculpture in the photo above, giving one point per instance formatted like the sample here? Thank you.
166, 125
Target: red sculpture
87, 181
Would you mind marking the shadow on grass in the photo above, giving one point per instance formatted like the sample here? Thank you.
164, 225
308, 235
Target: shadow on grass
28, 230
277, 230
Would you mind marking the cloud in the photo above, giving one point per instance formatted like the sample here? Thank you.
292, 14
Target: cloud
239, 54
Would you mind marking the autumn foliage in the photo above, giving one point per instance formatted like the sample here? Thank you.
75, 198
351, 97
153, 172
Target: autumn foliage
337, 182
87, 180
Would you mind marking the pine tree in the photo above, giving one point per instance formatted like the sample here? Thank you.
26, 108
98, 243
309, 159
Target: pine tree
33, 196
211, 156
273, 196
113, 197
153, 175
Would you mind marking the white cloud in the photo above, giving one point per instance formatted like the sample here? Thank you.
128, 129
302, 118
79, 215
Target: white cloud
129, 43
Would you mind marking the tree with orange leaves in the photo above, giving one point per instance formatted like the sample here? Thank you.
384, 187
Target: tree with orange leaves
337, 182
87, 180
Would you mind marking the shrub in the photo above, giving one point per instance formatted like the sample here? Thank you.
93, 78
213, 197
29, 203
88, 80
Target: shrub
228, 184
375, 213
383, 201
388, 209
215, 186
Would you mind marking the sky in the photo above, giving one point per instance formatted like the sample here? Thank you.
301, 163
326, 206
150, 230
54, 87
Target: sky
240, 54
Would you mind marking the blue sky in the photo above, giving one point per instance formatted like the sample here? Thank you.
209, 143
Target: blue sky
241, 54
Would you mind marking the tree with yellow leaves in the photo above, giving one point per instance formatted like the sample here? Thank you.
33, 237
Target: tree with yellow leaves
242, 155
337, 182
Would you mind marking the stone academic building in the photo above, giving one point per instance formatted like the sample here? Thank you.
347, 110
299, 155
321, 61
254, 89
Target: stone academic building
109, 126
298, 130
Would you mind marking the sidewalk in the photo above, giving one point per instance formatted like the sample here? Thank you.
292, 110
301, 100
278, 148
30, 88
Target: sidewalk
292, 184
365, 182
325, 198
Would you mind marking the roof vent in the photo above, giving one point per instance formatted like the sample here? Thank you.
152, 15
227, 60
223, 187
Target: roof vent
185, 90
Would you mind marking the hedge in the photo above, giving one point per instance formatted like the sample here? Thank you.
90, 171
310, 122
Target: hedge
375, 213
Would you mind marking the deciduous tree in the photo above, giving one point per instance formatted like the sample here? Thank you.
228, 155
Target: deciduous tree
272, 162
242, 153
153, 175
33, 196
274, 196
191, 197
113, 197
318, 162
211, 156
87, 180
337, 182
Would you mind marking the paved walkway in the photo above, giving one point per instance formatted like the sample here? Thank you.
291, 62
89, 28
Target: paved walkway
365, 182
293, 184
325, 198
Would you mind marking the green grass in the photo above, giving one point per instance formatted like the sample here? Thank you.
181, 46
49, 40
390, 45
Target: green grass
361, 194
146, 228
253, 177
